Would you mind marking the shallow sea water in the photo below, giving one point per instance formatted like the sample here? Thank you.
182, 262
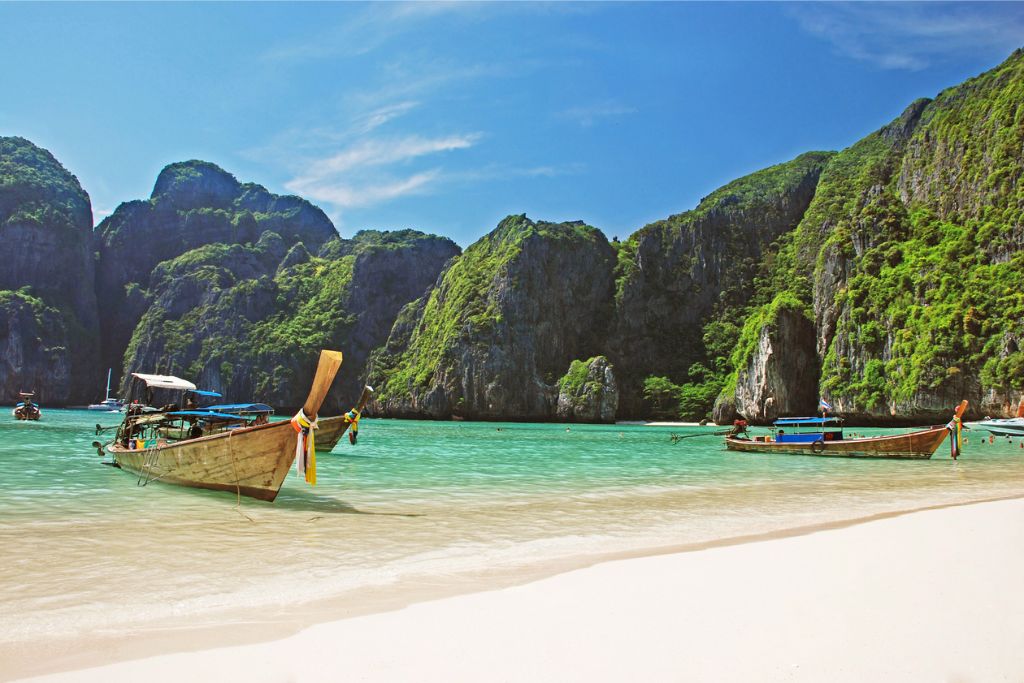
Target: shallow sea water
86, 550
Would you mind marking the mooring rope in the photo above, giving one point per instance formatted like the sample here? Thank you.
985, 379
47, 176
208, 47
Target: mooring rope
238, 487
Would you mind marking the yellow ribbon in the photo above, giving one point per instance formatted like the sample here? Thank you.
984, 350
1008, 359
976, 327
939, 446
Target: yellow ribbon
305, 446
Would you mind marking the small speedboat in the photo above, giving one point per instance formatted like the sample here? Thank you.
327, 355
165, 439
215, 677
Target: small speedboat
1009, 426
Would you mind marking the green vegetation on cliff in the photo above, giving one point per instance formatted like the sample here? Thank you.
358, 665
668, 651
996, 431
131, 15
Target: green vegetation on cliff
46, 230
910, 254
684, 286
35, 189
465, 307
251, 319
502, 325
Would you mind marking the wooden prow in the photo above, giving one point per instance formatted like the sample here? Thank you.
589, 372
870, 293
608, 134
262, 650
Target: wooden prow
364, 397
326, 369
961, 408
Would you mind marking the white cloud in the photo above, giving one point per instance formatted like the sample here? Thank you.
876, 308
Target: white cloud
364, 174
347, 195
382, 153
367, 29
912, 36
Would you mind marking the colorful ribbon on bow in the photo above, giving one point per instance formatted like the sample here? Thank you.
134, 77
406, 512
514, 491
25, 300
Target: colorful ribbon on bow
352, 419
954, 426
305, 446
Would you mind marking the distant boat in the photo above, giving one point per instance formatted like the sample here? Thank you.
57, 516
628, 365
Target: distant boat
1011, 426
25, 409
230, 447
824, 436
109, 404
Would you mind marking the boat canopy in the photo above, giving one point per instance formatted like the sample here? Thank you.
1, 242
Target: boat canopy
799, 421
206, 415
242, 407
165, 382
206, 392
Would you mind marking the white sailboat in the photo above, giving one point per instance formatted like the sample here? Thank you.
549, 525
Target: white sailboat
108, 404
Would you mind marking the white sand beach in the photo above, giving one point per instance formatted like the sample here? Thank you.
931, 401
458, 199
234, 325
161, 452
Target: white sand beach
932, 595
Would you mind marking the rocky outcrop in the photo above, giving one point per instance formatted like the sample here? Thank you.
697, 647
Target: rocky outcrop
780, 377
501, 325
248, 320
588, 392
50, 337
193, 203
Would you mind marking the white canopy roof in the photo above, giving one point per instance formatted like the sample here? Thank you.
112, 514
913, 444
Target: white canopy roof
165, 382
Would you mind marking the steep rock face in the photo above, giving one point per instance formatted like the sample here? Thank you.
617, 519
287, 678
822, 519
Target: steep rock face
501, 325
779, 377
676, 275
588, 392
34, 350
194, 203
248, 320
46, 276
918, 235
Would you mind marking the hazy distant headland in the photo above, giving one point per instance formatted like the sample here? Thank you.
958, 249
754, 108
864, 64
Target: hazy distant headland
888, 277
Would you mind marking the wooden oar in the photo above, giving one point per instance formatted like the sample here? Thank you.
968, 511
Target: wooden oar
326, 369
676, 438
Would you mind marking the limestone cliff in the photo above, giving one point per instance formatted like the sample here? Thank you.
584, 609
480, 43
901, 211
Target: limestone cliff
248, 320
776, 376
677, 276
910, 257
193, 203
49, 341
501, 326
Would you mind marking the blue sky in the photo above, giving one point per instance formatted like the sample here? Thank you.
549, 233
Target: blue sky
446, 117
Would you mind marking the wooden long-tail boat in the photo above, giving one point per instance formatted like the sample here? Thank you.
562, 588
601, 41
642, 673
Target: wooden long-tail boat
26, 409
248, 460
824, 436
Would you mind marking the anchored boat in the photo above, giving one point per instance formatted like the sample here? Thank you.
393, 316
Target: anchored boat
1011, 426
25, 409
110, 404
824, 436
229, 447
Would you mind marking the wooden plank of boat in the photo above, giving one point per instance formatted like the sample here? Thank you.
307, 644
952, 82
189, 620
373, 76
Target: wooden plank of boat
920, 444
252, 461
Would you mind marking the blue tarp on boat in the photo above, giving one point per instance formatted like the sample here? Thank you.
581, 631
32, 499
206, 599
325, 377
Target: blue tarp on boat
206, 414
794, 421
243, 407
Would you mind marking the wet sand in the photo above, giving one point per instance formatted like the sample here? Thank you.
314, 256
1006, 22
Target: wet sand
930, 595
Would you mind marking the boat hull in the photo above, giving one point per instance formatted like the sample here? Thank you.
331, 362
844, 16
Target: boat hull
1013, 426
919, 445
251, 461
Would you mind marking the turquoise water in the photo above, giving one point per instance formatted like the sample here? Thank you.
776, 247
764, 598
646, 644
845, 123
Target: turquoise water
87, 550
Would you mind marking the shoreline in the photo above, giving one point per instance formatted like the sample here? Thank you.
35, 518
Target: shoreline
73, 659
